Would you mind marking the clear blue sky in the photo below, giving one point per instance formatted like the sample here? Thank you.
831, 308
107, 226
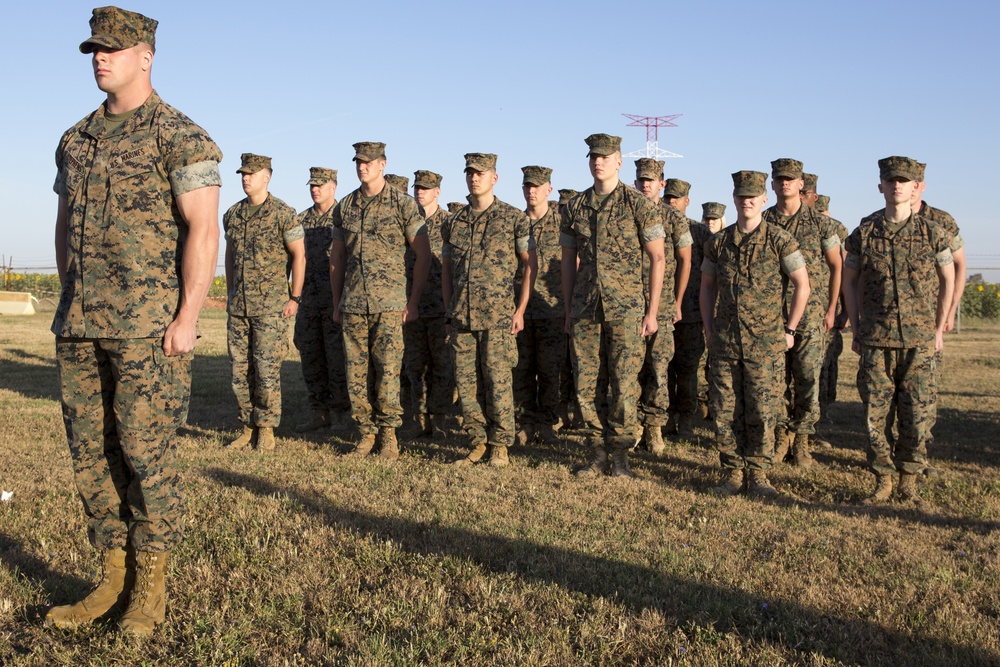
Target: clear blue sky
837, 85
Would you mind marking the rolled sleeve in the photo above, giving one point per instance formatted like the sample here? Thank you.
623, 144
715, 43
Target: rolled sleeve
651, 233
708, 267
415, 229
524, 244
195, 176
567, 240
830, 243
683, 241
793, 262
957, 243
852, 261
293, 234
944, 257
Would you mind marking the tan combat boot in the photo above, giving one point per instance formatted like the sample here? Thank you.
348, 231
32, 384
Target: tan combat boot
244, 439
619, 462
685, 427
319, 419
759, 484
732, 482
801, 458
598, 463
477, 452
111, 591
363, 447
883, 490
265, 439
388, 447
147, 604
653, 437
907, 490
524, 435
498, 456
782, 443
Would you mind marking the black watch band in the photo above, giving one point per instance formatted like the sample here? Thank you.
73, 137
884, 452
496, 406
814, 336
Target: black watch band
296, 299
790, 332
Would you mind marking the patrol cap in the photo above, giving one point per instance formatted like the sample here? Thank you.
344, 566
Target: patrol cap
676, 188
118, 29
897, 166
712, 210
480, 161
647, 167
535, 175
749, 183
565, 194
321, 175
822, 203
366, 151
922, 167
251, 164
398, 182
426, 179
811, 180
786, 167
603, 144
454, 206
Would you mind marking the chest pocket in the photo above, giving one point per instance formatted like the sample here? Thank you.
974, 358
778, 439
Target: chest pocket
461, 239
922, 273
350, 222
878, 255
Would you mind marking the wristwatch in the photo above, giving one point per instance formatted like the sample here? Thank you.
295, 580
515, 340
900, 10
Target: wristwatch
790, 332
296, 299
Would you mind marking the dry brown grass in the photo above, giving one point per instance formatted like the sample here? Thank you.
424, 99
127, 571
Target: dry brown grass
302, 557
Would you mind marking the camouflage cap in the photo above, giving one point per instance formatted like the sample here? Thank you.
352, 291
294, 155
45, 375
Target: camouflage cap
565, 194
749, 183
118, 29
535, 175
647, 167
455, 206
897, 166
426, 179
786, 167
398, 182
251, 163
712, 210
321, 175
366, 151
811, 180
921, 168
603, 144
480, 161
676, 188
822, 203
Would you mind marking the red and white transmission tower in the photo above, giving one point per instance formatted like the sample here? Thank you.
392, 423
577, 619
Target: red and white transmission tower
652, 125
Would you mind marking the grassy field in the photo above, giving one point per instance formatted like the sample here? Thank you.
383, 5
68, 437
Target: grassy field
302, 557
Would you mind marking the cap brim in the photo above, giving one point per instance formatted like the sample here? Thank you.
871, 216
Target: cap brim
102, 40
599, 151
246, 170
747, 192
785, 174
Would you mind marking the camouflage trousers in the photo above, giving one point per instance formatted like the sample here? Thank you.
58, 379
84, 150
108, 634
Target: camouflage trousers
320, 342
483, 363
802, 366
830, 372
537, 377
685, 367
654, 396
428, 366
745, 401
122, 402
374, 344
257, 346
623, 348
897, 384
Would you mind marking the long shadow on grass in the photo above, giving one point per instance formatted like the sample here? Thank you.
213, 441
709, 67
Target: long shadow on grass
57, 587
31, 380
786, 623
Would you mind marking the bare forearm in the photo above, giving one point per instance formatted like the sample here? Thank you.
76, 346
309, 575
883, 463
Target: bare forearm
62, 230
200, 209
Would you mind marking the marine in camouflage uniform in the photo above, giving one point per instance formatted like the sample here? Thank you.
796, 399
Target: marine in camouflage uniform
898, 320
605, 232
541, 345
569, 411
372, 227
317, 337
136, 246
483, 245
743, 307
427, 355
263, 236
401, 183
654, 397
820, 246
689, 337
830, 372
